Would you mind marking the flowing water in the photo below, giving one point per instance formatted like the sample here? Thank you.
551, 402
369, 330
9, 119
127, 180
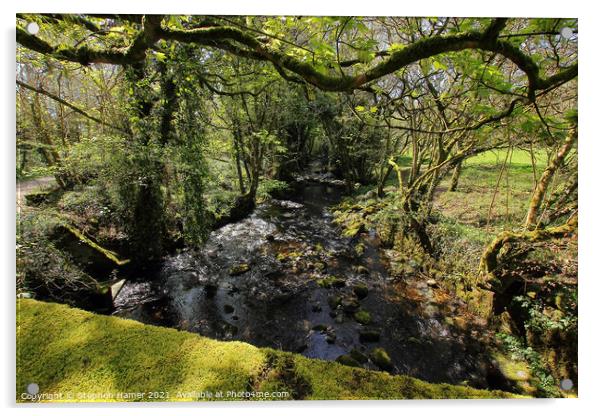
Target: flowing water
257, 281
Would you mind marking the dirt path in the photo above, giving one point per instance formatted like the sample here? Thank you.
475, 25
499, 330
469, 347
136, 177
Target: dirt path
32, 185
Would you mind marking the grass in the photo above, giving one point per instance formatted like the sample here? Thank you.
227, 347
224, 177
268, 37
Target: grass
472, 203
71, 352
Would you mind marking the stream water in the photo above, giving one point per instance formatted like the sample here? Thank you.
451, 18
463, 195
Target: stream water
257, 281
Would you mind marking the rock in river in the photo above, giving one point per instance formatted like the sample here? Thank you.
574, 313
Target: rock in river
239, 268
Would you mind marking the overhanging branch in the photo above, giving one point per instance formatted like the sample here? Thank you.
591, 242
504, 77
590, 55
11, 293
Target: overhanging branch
78, 110
239, 42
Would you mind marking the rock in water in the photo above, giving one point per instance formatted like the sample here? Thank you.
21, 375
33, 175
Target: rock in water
346, 359
380, 357
240, 268
360, 290
369, 335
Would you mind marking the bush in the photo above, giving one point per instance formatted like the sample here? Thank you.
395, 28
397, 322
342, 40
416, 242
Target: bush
43, 269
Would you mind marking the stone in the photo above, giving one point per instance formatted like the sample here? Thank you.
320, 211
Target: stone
369, 335
363, 317
358, 356
360, 290
334, 301
381, 358
239, 269
331, 281
363, 270
350, 305
210, 290
346, 359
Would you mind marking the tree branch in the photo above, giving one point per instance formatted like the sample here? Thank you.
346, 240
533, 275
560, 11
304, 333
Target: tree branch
229, 38
78, 110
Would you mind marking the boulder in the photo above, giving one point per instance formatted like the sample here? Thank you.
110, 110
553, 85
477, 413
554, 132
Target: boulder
369, 335
380, 357
239, 269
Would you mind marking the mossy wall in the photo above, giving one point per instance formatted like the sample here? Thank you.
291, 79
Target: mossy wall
70, 351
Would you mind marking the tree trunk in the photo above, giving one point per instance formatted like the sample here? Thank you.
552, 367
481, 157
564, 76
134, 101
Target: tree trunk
546, 177
453, 186
489, 260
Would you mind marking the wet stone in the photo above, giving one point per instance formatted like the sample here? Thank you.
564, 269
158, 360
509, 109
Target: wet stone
360, 290
346, 359
369, 335
239, 269
358, 356
350, 305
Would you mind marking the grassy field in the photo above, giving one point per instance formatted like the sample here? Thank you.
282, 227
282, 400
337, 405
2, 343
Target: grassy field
492, 194
80, 355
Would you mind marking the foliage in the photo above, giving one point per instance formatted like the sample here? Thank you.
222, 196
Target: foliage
42, 268
542, 320
546, 385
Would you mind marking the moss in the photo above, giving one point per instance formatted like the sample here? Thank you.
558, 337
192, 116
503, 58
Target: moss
513, 370
350, 305
348, 360
37, 198
360, 290
363, 317
334, 301
358, 356
112, 256
238, 269
331, 281
381, 358
77, 351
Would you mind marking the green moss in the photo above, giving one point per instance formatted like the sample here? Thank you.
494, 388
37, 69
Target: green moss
239, 269
513, 370
334, 301
363, 317
348, 360
358, 356
69, 351
106, 253
381, 358
331, 281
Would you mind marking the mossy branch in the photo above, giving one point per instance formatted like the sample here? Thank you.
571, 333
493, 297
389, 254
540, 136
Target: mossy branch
243, 43
111, 255
489, 260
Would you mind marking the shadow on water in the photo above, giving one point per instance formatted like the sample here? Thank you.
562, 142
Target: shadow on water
260, 280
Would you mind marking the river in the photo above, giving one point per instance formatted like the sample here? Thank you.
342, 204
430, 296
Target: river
260, 281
